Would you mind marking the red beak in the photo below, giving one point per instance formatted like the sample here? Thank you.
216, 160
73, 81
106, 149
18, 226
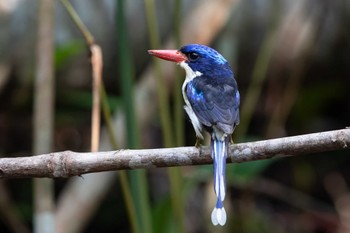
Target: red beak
169, 55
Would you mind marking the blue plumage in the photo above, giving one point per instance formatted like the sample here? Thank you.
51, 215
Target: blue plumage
212, 102
219, 149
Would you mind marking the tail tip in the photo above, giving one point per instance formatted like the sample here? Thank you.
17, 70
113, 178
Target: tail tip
218, 216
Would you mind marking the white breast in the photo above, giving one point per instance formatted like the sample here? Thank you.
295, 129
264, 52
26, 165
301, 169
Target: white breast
190, 75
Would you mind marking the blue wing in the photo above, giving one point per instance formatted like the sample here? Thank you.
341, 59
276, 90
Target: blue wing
215, 101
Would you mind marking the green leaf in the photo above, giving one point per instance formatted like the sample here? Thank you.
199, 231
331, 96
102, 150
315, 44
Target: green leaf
247, 171
162, 216
66, 51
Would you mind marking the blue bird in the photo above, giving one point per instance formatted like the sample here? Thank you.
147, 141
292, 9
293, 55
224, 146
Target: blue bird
212, 103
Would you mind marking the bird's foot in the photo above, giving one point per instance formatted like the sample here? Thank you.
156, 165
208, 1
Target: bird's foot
231, 139
198, 144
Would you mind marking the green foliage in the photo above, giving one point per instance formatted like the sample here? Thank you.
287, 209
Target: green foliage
82, 99
315, 100
65, 52
162, 216
247, 171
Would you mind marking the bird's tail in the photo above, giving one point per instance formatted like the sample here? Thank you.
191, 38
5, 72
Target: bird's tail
219, 150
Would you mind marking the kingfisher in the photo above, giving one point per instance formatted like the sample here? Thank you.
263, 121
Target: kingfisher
212, 103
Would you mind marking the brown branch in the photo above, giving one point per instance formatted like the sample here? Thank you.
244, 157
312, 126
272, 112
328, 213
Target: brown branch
68, 163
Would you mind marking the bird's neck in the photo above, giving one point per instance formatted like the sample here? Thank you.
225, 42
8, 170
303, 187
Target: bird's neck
190, 74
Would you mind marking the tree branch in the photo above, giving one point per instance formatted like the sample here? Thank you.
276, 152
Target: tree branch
68, 163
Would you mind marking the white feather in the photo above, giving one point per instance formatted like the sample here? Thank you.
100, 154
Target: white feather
190, 74
219, 148
222, 186
218, 216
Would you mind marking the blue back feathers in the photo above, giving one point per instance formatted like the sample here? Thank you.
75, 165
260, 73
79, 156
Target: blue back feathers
206, 60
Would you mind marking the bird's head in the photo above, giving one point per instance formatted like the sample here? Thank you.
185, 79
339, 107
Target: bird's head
197, 59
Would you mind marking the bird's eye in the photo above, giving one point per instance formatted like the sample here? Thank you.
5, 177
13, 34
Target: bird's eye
193, 56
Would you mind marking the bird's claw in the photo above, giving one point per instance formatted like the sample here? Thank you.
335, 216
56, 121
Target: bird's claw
198, 144
231, 139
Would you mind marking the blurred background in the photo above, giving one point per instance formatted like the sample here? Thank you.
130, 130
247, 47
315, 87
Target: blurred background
291, 60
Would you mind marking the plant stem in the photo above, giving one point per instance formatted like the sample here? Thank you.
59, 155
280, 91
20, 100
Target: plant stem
43, 119
78, 22
173, 173
139, 184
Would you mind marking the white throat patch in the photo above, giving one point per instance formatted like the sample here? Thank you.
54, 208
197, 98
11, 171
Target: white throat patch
190, 74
